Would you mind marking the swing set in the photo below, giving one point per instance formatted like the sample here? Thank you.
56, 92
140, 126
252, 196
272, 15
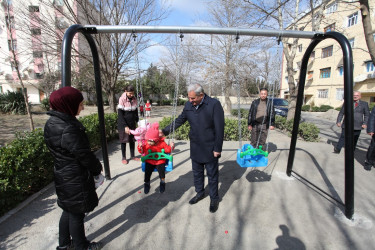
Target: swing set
316, 38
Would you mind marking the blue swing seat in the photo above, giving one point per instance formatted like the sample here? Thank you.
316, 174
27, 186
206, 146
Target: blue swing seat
158, 156
248, 156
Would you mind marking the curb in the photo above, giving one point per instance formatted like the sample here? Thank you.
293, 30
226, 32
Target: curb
25, 203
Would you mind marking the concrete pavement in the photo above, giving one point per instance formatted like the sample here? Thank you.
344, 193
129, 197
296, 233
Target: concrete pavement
261, 208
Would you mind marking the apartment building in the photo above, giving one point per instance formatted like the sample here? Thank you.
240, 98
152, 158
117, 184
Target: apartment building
324, 80
34, 29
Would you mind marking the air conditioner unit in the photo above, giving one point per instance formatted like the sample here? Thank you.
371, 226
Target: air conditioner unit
371, 75
8, 77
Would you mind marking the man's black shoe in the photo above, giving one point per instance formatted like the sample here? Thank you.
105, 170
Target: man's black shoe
214, 205
336, 151
196, 198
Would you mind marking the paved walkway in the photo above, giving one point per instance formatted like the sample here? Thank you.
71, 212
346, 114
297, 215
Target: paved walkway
261, 208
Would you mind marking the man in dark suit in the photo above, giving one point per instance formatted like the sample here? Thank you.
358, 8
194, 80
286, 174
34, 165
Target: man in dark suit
206, 118
361, 114
370, 156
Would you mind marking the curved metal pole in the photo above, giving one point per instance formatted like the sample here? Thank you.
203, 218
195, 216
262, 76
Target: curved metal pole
66, 81
348, 107
66, 54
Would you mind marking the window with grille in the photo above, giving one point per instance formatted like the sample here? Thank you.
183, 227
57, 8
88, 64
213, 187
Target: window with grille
341, 70
33, 8
327, 51
14, 43
352, 19
325, 73
13, 65
322, 93
36, 32
37, 54
9, 20
331, 8
300, 48
339, 94
330, 27
369, 66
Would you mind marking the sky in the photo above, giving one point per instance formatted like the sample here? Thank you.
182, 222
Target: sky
182, 13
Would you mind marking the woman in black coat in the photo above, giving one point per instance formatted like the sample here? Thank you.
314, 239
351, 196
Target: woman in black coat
74, 167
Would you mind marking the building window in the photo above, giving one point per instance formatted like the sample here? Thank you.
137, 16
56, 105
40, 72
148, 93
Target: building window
39, 75
326, 52
310, 75
322, 93
341, 70
61, 23
339, 94
33, 8
325, 73
300, 48
10, 20
331, 8
330, 28
36, 32
369, 66
312, 55
58, 2
352, 19
37, 54
19, 90
351, 41
13, 65
14, 47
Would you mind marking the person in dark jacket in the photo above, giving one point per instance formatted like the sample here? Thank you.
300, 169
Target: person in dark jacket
370, 156
361, 114
74, 167
261, 113
127, 120
206, 118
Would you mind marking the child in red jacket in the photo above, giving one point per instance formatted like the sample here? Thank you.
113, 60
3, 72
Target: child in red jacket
155, 143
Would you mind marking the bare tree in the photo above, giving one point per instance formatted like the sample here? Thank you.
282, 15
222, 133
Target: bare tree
116, 50
367, 27
229, 51
14, 57
280, 13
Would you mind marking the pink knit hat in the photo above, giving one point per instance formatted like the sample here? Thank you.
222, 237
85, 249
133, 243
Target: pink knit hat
153, 132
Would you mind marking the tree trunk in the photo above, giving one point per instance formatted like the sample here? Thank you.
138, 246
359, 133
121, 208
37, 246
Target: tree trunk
292, 91
112, 100
367, 28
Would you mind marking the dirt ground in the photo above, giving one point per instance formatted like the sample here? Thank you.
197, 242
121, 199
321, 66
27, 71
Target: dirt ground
10, 124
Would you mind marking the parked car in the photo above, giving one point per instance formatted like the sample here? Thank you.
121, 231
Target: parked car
281, 106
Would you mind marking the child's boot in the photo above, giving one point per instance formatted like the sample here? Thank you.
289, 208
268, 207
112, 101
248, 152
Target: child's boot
162, 186
147, 187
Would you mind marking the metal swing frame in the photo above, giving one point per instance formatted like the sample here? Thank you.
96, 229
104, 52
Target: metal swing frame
316, 38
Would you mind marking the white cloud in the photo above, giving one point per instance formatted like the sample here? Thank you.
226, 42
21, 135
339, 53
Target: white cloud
152, 54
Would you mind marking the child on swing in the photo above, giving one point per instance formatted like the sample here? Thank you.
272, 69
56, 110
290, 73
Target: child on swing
155, 143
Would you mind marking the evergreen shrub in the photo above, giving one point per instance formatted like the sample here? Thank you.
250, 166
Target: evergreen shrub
12, 103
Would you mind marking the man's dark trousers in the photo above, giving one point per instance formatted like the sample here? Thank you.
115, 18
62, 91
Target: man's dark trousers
341, 141
212, 169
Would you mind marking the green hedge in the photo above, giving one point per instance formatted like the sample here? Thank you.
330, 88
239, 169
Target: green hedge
244, 113
91, 123
305, 108
230, 129
307, 131
26, 166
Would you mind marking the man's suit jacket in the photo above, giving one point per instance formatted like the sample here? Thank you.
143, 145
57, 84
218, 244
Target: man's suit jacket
206, 128
361, 114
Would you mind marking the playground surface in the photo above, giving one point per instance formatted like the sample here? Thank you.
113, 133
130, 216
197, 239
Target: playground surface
260, 208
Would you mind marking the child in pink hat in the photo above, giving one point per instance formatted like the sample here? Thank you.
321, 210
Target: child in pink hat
155, 143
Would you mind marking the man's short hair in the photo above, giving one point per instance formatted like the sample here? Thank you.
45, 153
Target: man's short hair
196, 87
261, 89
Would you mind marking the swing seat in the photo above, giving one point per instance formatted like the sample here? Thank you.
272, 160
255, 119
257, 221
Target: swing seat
158, 156
248, 156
